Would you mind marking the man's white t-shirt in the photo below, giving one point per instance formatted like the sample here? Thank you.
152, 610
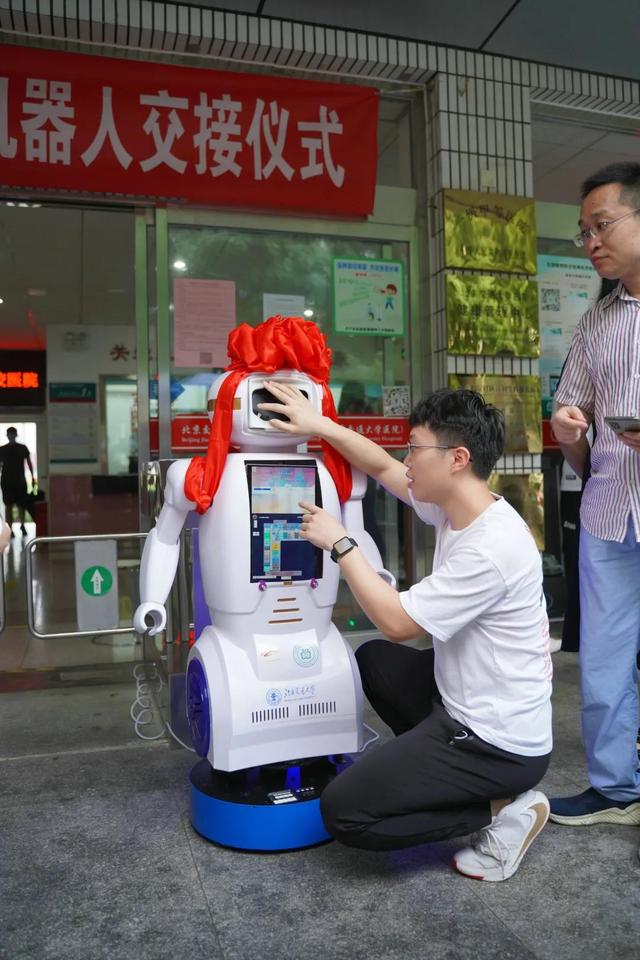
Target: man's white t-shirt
484, 606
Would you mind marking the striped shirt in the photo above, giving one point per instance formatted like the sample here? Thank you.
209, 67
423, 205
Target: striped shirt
602, 376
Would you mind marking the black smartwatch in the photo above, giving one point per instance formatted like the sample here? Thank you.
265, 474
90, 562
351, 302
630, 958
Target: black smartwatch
342, 547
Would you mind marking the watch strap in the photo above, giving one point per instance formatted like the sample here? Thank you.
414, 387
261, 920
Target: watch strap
342, 547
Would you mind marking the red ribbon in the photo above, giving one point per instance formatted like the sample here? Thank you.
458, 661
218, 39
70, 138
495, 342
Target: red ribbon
278, 343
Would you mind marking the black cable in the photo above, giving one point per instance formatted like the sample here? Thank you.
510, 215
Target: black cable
498, 24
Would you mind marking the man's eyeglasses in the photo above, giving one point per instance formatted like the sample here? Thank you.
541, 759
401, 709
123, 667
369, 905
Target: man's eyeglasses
427, 446
592, 233
431, 446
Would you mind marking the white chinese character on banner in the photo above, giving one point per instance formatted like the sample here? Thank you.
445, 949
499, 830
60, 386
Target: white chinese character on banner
174, 130
107, 131
214, 135
275, 147
8, 145
51, 107
329, 123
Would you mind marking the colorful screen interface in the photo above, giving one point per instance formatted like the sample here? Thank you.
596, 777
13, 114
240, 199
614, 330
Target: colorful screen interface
278, 549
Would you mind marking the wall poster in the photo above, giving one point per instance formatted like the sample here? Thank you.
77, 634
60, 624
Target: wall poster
489, 231
492, 316
368, 297
519, 399
525, 493
567, 286
72, 418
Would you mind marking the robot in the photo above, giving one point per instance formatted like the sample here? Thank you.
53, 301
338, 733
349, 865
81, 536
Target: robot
273, 691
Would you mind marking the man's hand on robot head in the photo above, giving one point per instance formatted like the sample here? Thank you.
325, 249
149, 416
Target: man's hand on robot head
302, 417
153, 612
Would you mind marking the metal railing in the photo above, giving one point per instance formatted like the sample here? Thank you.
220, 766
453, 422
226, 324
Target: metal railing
30, 550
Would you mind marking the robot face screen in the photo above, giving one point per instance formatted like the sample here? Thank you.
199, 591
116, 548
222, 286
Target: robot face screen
264, 396
278, 549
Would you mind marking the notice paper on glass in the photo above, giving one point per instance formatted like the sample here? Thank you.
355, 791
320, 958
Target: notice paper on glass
204, 313
282, 305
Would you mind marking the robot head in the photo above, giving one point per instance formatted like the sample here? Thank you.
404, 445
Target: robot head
280, 346
251, 429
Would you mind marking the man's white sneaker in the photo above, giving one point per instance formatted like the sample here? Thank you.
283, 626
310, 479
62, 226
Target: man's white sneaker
496, 850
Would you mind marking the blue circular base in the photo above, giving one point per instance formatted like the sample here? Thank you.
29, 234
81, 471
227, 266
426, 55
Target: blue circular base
238, 809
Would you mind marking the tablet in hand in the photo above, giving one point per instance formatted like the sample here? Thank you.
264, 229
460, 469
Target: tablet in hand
623, 424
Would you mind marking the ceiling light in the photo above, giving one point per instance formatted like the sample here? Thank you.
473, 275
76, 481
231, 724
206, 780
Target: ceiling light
308, 313
179, 265
1, 300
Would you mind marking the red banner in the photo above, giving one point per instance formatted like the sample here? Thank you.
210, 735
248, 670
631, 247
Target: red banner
549, 442
389, 432
191, 431
77, 123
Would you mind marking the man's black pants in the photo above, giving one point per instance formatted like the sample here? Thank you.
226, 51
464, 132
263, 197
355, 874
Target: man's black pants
435, 779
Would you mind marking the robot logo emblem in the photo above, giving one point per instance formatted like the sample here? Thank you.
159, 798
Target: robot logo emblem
305, 656
273, 696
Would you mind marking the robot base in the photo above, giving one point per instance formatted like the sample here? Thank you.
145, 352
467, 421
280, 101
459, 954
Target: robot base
270, 808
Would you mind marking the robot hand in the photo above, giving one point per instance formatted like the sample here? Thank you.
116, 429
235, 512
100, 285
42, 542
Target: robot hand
156, 612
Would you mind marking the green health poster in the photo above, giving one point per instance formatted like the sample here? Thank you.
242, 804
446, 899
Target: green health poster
368, 297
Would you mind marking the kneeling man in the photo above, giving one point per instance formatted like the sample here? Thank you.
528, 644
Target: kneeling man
472, 716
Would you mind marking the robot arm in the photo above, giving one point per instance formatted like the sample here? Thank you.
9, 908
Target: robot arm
161, 552
353, 521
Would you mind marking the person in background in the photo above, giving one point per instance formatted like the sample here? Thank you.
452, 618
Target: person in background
570, 501
5, 533
602, 378
13, 456
472, 716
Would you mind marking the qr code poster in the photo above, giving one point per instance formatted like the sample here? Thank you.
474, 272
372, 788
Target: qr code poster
396, 402
549, 298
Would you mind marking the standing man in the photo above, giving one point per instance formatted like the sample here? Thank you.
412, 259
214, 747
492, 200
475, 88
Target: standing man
5, 534
13, 457
602, 378
472, 717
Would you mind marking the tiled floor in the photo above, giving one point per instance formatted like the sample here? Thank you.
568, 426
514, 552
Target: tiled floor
98, 858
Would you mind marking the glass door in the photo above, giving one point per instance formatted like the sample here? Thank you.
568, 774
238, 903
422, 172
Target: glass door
260, 266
